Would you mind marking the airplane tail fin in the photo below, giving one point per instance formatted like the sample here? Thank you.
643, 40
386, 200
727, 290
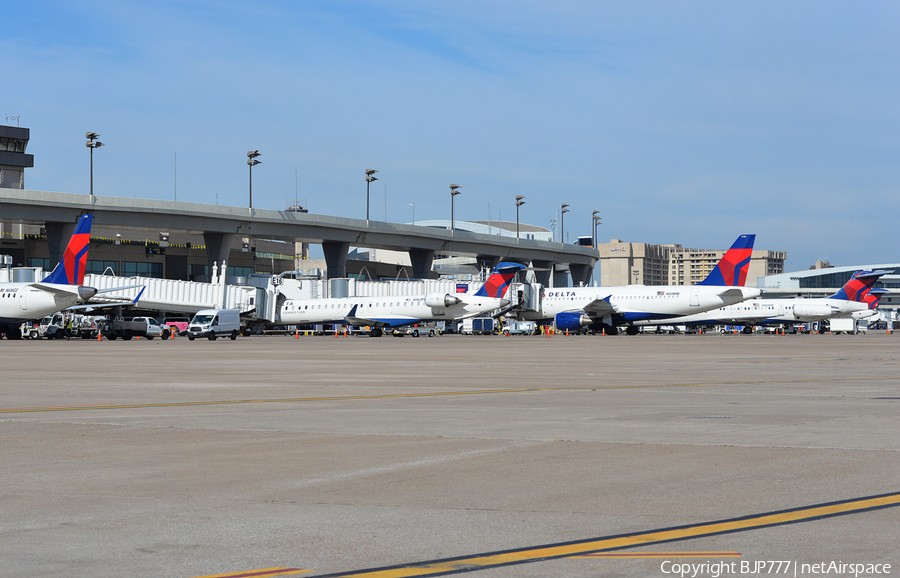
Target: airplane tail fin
732, 268
873, 297
70, 270
499, 281
859, 285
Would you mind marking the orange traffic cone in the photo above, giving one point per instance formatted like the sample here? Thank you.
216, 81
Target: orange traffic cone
99, 335
297, 334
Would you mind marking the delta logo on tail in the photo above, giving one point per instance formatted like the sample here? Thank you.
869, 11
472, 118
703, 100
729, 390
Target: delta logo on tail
499, 281
70, 270
732, 269
859, 285
873, 297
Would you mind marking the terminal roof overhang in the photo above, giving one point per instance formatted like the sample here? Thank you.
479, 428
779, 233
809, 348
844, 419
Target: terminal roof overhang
41, 207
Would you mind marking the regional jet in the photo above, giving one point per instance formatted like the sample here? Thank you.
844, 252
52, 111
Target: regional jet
398, 311
856, 298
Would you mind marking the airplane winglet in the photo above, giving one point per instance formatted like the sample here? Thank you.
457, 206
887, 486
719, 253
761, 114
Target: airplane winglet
140, 293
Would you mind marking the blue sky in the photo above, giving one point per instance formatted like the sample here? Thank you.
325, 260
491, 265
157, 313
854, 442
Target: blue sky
687, 122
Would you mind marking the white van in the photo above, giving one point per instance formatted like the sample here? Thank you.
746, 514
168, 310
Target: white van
211, 323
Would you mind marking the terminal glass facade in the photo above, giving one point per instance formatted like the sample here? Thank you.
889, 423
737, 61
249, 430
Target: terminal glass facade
37, 262
142, 269
100, 267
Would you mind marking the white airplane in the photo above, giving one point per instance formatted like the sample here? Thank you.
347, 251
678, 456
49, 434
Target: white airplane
609, 308
398, 311
62, 289
855, 299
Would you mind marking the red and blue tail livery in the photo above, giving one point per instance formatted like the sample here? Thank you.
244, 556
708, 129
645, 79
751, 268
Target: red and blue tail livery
70, 270
859, 285
499, 281
873, 297
732, 269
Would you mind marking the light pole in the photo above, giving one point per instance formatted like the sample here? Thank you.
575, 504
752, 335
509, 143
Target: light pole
597, 221
562, 223
453, 193
519, 203
369, 179
414, 212
92, 136
251, 160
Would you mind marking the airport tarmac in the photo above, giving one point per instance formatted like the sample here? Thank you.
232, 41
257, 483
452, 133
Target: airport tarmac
506, 456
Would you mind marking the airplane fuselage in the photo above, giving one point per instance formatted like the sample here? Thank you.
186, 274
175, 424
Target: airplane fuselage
20, 302
633, 303
409, 308
774, 311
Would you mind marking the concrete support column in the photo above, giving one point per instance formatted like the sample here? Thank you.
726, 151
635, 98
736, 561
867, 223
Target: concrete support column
580, 274
543, 277
336, 258
488, 261
422, 261
58, 236
218, 248
560, 277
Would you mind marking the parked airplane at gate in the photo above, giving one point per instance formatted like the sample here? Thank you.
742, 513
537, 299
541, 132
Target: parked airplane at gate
854, 298
398, 311
609, 308
63, 288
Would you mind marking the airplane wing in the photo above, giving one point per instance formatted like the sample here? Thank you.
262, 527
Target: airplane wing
355, 320
599, 307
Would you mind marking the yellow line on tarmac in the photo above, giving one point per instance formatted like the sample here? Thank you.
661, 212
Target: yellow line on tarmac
580, 548
662, 555
264, 573
422, 394
239, 401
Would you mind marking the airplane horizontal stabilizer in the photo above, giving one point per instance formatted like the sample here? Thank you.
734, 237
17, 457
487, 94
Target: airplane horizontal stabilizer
731, 292
56, 289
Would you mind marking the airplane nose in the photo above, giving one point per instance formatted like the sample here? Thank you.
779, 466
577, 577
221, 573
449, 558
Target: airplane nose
85, 293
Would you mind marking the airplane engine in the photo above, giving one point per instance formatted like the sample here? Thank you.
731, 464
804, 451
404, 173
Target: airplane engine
85, 293
440, 300
814, 312
862, 314
565, 321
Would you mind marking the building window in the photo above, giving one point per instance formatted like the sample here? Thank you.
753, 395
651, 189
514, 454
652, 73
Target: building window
100, 267
42, 263
197, 270
142, 269
12, 178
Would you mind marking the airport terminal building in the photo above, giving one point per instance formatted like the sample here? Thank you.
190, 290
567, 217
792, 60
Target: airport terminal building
824, 276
